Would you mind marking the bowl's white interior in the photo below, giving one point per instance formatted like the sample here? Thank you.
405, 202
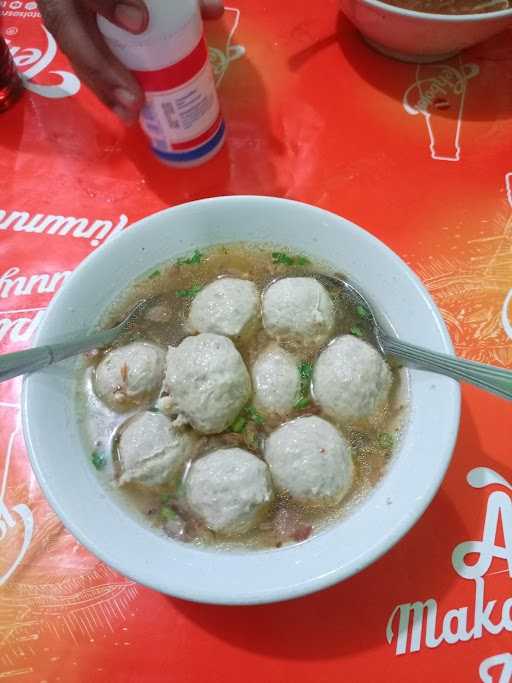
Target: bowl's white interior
63, 468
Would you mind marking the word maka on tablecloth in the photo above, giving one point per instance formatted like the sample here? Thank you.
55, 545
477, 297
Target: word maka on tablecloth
419, 623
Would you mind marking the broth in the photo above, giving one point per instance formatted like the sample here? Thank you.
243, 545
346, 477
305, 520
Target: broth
451, 6
371, 442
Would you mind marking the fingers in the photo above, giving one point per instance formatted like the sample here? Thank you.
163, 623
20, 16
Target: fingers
76, 31
73, 23
132, 15
212, 9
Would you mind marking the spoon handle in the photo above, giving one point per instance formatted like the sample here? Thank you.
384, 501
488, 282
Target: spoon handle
495, 380
30, 360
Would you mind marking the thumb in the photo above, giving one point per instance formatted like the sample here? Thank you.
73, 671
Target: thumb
211, 9
130, 15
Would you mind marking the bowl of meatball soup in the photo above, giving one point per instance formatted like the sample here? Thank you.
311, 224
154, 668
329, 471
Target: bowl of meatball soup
427, 31
244, 441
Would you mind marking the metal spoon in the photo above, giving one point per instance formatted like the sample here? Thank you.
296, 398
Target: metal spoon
23, 362
495, 380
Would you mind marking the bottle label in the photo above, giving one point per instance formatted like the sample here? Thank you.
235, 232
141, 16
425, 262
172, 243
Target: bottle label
181, 114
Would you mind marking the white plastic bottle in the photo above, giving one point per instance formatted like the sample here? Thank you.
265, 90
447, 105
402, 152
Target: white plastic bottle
181, 116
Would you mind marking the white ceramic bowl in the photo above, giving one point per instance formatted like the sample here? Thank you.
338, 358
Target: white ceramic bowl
421, 37
62, 464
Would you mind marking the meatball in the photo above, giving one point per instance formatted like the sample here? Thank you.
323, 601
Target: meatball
299, 310
351, 380
276, 381
229, 490
310, 461
226, 306
207, 381
151, 451
130, 374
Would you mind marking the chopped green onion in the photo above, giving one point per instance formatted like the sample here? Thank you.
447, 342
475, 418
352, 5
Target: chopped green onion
248, 414
362, 312
196, 258
386, 440
253, 415
98, 460
356, 331
188, 293
286, 260
154, 274
282, 258
165, 498
167, 513
238, 425
305, 371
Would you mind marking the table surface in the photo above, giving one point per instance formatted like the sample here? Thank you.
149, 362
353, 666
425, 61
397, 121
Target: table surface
418, 155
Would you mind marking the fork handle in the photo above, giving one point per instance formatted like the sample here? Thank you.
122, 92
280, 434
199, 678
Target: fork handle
30, 360
493, 379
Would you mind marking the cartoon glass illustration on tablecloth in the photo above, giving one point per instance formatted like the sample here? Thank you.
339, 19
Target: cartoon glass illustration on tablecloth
441, 89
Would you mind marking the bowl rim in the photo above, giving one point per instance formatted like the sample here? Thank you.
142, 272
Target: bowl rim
437, 17
336, 573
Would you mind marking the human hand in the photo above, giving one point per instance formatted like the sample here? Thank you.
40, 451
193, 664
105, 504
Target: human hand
73, 24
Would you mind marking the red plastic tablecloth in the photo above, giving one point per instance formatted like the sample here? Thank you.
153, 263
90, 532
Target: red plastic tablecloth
418, 155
